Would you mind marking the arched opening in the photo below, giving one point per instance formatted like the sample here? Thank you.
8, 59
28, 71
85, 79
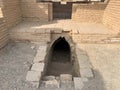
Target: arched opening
61, 49
60, 61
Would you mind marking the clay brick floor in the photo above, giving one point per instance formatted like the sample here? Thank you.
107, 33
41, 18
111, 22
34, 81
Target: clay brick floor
16, 58
87, 28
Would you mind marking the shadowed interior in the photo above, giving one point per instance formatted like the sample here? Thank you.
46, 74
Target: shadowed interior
60, 61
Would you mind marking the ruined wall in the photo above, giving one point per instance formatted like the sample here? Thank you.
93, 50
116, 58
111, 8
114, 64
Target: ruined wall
88, 12
12, 12
112, 15
33, 11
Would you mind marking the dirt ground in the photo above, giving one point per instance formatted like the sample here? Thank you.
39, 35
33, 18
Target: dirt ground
16, 59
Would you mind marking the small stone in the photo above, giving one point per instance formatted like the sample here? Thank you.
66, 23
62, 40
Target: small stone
38, 67
33, 76
78, 83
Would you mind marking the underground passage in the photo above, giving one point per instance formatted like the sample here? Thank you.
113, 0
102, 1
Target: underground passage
60, 61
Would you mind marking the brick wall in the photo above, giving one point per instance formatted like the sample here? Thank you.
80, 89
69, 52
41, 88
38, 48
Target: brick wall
33, 11
3, 31
88, 12
12, 12
112, 15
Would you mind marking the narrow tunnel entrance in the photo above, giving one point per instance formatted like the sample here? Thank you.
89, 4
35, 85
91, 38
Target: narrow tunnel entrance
60, 61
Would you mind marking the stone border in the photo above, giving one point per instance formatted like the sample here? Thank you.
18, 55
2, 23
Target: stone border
85, 67
36, 72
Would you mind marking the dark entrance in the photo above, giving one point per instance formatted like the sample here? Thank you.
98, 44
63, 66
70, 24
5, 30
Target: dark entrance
60, 61
62, 11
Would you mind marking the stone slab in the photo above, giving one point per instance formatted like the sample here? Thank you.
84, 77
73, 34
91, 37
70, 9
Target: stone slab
86, 73
66, 81
38, 67
78, 83
33, 76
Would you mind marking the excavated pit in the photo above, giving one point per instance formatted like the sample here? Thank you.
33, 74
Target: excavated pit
60, 61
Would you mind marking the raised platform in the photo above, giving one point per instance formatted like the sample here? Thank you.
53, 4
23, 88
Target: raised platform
41, 31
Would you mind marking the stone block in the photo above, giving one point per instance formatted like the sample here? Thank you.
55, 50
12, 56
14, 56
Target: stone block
33, 76
38, 67
47, 78
66, 77
78, 83
86, 73
66, 81
52, 84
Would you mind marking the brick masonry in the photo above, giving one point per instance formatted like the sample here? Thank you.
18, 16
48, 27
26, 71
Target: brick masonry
88, 12
30, 10
12, 12
111, 16
3, 33
33, 11
3, 29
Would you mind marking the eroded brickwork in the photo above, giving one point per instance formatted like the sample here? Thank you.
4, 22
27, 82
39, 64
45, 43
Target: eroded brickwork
12, 12
33, 11
3, 29
88, 12
112, 15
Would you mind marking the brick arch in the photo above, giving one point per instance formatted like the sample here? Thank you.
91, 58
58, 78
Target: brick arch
70, 42
66, 38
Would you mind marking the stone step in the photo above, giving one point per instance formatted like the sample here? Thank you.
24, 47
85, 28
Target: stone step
66, 81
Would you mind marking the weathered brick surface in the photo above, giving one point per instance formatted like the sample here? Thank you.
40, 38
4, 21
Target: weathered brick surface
3, 30
33, 11
12, 12
88, 12
111, 16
